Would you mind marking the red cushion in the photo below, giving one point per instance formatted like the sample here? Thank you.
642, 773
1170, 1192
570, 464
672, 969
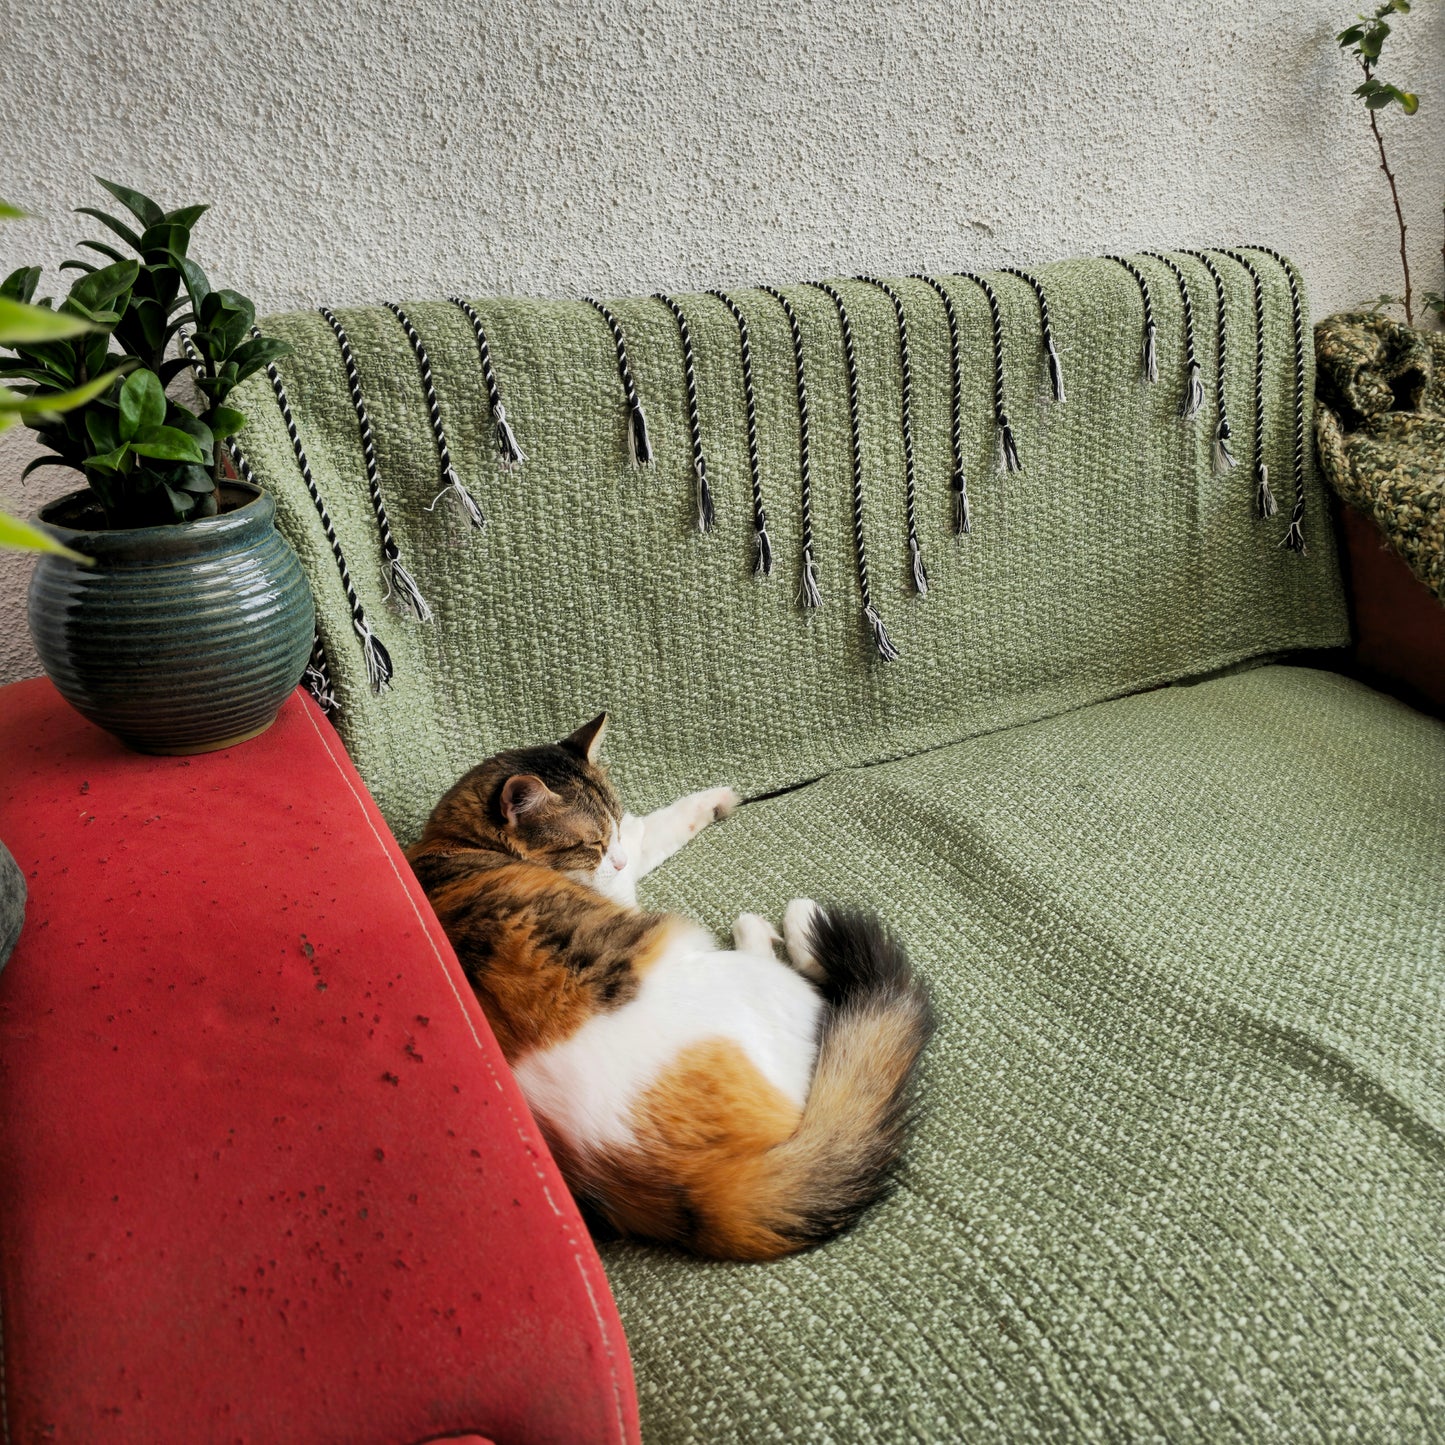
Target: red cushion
263, 1173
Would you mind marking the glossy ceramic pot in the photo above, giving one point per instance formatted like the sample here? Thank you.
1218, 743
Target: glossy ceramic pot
182, 638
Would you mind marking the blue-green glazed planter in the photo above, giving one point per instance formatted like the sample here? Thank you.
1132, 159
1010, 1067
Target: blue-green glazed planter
182, 638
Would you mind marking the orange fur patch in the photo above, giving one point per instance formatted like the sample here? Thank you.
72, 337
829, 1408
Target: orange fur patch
507, 920
702, 1132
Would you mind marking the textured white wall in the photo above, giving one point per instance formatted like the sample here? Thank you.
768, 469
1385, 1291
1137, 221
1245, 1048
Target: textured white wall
357, 150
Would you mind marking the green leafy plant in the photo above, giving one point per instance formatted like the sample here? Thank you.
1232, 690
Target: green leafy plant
148, 458
19, 323
1365, 40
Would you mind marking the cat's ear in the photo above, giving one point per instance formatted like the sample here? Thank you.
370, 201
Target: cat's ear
524, 793
587, 740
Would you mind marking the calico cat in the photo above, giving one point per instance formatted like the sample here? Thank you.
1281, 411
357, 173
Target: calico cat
721, 1100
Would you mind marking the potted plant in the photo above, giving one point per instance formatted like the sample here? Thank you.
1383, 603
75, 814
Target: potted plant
195, 622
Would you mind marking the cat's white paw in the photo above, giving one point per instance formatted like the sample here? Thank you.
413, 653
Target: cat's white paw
710, 805
752, 933
722, 802
797, 927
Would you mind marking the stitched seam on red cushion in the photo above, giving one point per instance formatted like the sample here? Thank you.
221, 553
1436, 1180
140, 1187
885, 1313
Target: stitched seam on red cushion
4, 1392
516, 1122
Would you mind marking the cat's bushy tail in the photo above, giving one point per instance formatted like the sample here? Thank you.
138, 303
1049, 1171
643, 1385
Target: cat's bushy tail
841, 1158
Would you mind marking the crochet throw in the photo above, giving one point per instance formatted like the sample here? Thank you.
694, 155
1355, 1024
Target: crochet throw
1380, 428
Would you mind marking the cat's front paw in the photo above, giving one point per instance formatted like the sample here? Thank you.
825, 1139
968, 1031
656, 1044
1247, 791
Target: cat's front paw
722, 801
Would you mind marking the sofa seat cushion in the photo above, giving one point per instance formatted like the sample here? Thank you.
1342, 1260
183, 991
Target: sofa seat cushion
1180, 1164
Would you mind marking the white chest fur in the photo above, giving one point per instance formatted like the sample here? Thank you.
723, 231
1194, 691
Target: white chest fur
586, 1087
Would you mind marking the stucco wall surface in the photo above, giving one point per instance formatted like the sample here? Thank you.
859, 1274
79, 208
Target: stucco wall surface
357, 150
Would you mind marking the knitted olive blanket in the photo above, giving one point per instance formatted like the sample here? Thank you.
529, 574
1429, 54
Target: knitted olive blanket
1380, 427
1121, 553
1179, 1172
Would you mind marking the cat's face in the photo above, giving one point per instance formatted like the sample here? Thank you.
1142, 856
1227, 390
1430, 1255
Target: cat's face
551, 805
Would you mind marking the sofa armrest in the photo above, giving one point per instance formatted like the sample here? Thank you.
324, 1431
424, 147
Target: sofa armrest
1399, 626
263, 1171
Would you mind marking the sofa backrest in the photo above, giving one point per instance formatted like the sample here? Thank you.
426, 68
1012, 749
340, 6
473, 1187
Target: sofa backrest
1117, 558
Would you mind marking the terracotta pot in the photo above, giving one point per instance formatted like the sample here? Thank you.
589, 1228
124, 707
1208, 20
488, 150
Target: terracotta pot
182, 638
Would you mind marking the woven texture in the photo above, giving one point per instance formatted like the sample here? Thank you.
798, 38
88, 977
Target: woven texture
1115, 560
1180, 1169
1380, 427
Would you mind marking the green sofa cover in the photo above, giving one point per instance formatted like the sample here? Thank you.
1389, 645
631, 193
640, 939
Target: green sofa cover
1116, 559
1180, 1165
1178, 1171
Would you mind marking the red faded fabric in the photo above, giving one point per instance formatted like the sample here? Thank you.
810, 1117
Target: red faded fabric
264, 1176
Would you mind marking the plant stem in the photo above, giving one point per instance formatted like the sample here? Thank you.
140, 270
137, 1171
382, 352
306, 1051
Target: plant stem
1399, 214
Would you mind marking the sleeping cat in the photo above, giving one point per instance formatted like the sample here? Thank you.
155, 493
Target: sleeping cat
721, 1100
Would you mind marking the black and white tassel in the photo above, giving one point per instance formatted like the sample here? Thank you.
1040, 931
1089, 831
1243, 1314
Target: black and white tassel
1193, 398
1008, 448
451, 482
639, 442
706, 512
399, 582
809, 593
511, 453
1294, 538
958, 484
1223, 457
905, 366
379, 670
886, 650
1150, 358
1051, 354
1264, 501
763, 560
317, 677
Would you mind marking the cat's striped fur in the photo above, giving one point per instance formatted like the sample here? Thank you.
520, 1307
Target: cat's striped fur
722, 1100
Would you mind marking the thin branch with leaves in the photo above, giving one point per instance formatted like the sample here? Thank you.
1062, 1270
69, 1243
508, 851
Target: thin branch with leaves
1365, 40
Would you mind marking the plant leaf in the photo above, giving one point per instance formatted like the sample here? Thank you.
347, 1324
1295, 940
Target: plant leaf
109, 252
12, 213
197, 286
20, 284
100, 427
255, 354
107, 284
195, 479
111, 461
227, 421
44, 462
21, 324
141, 207
186, 216
119, 227
164, 240
44, 403
142, 403
22, 537
167, 444
195, 428
172, 369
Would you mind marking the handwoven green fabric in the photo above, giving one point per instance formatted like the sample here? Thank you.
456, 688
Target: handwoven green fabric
1179, 1171
1116, 560
1380, 426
